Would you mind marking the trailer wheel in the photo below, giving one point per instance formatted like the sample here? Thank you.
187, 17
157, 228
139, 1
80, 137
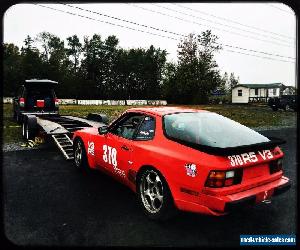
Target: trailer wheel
29, 128
18, 117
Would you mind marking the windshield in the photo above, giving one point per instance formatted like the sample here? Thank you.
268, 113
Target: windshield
209, 129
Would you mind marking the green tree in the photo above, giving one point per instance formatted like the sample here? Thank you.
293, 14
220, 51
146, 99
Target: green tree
197, 73
233, 81
32, 64
12, 69
74, 50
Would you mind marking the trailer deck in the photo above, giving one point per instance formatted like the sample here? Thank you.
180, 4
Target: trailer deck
61, 129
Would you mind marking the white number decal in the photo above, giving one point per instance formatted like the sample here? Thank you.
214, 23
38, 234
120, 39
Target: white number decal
105, 153
110, 155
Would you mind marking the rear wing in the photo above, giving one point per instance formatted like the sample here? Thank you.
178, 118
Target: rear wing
233, 150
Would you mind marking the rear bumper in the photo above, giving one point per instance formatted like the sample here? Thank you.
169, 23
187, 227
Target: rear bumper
220, 205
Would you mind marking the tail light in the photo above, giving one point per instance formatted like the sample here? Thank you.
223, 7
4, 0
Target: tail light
22, 102
56, 102
275, 166
220, 178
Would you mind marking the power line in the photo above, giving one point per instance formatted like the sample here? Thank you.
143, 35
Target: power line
264, 57
119, 25
222, 24
232, 21
189, 21
75, 14
123, 20
271, 5
171, 32
235, 33
257, 51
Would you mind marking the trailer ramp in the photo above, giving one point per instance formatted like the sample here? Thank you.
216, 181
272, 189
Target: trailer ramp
65, 145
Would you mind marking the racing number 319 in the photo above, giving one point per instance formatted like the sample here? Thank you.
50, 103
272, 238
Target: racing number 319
110, 155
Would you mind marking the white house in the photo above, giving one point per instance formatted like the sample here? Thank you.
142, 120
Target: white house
245, 93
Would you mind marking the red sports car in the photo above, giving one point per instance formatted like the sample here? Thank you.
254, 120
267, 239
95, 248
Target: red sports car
186, 159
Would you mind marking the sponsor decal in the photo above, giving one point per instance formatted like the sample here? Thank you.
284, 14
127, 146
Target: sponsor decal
144, 133
91, 148
241, 159
110, 157
191, 169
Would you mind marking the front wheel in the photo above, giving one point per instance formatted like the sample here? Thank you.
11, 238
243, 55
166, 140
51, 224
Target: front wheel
80, 158
154, 195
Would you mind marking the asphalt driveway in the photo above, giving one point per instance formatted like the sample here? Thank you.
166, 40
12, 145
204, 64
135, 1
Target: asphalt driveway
48, 202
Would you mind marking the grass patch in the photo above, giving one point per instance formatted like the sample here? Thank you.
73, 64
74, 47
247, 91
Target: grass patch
248, 115
12, 132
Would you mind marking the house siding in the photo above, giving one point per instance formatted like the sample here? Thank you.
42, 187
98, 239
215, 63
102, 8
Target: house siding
240, 99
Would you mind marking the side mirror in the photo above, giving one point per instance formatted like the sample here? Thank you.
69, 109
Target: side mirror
103, 130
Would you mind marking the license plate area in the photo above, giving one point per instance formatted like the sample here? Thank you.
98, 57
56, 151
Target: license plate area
256, 171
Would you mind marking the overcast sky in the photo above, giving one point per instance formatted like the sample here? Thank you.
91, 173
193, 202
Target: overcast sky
269, 28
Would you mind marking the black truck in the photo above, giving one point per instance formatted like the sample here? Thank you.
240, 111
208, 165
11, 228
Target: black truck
285, 102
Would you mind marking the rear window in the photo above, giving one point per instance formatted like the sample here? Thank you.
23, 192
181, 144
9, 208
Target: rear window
40, 93
209, 129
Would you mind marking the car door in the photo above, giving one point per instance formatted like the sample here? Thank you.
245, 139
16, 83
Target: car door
117, 149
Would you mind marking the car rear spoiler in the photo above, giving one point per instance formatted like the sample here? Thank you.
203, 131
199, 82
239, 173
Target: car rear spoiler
233, 150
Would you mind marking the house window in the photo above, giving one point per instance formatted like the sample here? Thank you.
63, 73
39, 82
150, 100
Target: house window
274, 91
240, 92
256, 91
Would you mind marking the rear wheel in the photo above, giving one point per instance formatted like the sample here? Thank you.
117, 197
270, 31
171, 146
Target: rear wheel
80, 158
154, 195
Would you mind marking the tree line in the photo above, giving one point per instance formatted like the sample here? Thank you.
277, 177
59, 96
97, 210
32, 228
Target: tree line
101, 69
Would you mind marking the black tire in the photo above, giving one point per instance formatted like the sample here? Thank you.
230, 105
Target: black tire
29, 127
287, 107
274, 108
155, 210
80, 162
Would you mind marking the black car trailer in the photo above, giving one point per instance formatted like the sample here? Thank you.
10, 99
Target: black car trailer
59, 128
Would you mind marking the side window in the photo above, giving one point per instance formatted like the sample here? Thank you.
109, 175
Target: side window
127, 127
146, 130
240, 92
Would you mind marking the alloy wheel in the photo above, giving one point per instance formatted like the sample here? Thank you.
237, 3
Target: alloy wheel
151, 191
78, 154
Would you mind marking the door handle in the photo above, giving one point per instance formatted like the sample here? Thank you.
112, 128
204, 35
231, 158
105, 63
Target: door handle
124, 147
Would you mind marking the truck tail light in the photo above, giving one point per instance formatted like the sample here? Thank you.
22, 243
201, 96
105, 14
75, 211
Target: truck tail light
275, 166
221, 178
22, 102
56, 102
